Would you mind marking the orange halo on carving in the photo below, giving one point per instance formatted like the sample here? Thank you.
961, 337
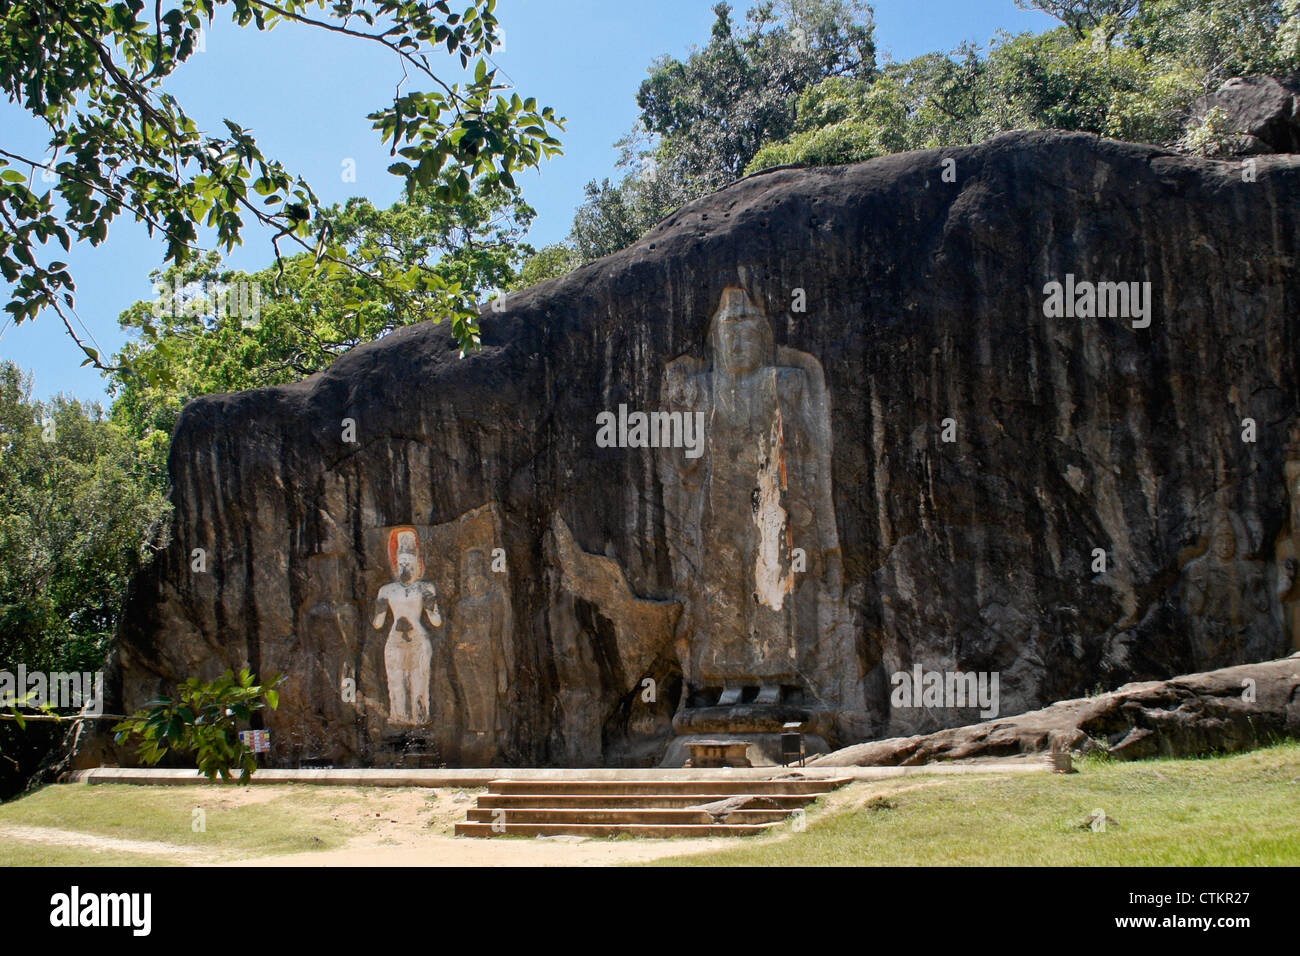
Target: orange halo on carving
392, 551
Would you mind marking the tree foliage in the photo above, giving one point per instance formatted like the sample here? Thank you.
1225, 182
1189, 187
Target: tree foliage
799, 84
1116, 68
718, 107
1084, 16
203, 721
704, 118
196, 336
78, 511
549, 262
93, 72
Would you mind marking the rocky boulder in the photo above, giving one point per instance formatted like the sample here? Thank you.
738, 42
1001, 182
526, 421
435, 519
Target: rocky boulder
1021, 410
1223, 711
1262, 113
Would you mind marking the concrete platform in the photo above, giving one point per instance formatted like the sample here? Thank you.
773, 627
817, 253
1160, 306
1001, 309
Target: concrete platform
710, 782
596, 803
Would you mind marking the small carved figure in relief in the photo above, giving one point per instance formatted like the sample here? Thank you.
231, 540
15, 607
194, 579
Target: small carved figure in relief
410, 603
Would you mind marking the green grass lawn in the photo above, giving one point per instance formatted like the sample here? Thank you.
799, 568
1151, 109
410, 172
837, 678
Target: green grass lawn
294, 819
1224, 811
1239, 810
27, 855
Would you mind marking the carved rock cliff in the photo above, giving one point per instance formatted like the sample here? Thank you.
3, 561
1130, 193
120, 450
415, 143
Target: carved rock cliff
903, 461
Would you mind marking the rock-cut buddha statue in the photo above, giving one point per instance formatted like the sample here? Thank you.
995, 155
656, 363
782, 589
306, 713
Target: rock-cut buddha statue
750, 523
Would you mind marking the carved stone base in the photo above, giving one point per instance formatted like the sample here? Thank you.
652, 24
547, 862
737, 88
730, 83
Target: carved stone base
750, 719
764, 749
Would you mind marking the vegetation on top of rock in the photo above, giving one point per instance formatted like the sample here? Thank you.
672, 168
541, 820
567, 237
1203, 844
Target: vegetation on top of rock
1118, 68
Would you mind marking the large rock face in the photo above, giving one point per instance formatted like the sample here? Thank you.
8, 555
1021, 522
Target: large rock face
893, 444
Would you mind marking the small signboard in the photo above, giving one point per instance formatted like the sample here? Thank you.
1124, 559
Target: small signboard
258, 741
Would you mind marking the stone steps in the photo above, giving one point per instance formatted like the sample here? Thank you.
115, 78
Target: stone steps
790, 785
657, 832
658, 808
623, 816
561, 801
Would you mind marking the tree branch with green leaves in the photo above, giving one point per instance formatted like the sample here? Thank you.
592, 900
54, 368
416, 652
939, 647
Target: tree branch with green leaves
203, 720
119, 143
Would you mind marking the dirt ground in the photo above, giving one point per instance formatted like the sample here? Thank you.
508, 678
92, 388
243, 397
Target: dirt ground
388, 827
413, 830
413, 827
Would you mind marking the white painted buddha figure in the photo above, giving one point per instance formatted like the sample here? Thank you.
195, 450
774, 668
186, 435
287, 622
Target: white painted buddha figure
410, 603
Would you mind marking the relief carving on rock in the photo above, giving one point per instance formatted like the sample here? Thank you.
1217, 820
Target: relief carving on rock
482, 658
330, 651
1228, 598
408, 606
1288, 545
441, 652
750, 524
607, 641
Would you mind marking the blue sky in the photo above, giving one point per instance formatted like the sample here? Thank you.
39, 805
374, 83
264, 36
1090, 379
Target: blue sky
305, 95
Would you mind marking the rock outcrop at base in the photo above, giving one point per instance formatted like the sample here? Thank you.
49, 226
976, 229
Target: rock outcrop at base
1223, 711
1023, 408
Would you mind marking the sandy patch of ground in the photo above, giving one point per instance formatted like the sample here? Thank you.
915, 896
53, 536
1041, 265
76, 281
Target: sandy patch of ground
434, 850
857, 796
415, 828
225, 795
